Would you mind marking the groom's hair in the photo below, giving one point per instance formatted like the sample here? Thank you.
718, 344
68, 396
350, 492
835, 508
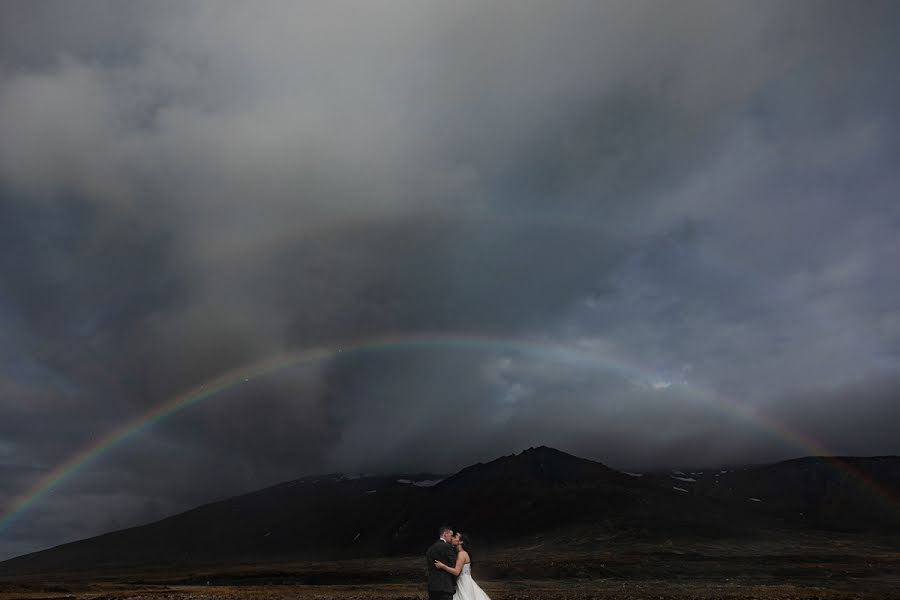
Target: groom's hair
443, 529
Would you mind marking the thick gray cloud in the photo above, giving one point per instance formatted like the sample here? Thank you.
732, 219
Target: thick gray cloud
698, 199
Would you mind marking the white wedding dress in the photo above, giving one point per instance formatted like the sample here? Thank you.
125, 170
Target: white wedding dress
466, 588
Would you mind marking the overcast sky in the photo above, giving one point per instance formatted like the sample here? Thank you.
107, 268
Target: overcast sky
705, 191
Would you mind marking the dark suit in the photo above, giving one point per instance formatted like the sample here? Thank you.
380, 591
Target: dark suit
441, 584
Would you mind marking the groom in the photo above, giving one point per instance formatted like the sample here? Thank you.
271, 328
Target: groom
441, 584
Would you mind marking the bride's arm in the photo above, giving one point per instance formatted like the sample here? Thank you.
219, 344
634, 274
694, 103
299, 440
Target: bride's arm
460, 561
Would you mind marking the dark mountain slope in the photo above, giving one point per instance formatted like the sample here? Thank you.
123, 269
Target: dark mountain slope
541, 493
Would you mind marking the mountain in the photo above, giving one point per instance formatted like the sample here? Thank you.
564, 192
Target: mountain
833, 493
540, 493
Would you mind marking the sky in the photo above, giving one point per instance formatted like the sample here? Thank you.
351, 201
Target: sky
696, 201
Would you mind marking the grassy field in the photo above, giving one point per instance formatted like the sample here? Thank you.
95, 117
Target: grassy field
518, 590
795, 567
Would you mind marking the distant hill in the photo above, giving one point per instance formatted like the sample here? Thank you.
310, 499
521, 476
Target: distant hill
835, 493
561, 499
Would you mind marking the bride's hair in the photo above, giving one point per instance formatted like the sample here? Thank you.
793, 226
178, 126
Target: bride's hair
464, 538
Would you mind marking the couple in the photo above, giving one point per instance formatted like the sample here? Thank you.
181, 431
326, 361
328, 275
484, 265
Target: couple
450, 569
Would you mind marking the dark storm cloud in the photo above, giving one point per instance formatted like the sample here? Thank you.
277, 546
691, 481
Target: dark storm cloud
851, 417
705, 192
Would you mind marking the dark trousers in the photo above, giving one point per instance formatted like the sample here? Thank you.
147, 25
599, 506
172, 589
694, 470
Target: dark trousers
436, 595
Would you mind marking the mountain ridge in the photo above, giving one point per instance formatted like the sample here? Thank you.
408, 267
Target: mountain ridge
538, 493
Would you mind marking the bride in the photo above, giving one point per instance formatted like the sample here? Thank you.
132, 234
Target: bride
466, 588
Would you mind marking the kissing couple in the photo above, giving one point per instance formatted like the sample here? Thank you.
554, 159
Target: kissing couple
449, 568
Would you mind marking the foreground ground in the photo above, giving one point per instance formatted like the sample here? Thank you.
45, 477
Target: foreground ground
786, 568
522, 590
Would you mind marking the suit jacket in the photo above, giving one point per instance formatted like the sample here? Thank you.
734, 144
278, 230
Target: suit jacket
438, 579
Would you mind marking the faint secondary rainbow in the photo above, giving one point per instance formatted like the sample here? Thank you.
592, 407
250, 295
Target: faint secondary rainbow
572, 354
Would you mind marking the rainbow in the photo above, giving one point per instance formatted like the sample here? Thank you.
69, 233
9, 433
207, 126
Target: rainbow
572, 354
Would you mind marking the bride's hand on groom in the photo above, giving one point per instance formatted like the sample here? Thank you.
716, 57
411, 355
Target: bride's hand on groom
438, 564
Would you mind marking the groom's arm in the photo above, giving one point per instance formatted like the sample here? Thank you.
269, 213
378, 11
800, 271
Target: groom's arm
436, 552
